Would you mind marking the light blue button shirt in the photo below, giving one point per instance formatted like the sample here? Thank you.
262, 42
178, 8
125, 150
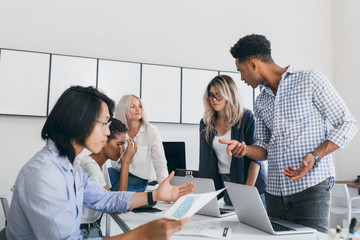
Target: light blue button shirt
49, 194
294, 122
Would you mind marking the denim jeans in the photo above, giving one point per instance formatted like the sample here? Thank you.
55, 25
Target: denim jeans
135, 184
310, 207
226, 177
92, 232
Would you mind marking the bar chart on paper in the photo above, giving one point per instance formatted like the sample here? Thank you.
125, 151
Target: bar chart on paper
188, 205
184, 207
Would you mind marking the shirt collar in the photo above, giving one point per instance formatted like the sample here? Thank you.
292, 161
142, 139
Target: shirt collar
142, 128
75, 164
64, 161
289, 70
286, 80
266, 88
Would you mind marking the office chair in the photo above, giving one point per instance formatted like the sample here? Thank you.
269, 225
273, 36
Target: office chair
342, 203
5, 207
175, 155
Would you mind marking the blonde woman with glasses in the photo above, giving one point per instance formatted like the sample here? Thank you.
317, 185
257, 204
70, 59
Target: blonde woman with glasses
149, 162
225, 118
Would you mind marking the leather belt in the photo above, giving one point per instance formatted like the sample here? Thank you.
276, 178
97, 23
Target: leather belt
88, 225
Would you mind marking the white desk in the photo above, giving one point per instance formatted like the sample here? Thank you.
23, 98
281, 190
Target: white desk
239, 230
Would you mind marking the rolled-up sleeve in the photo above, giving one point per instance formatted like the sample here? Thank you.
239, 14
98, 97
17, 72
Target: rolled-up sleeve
262, 132
331, 105
97, 198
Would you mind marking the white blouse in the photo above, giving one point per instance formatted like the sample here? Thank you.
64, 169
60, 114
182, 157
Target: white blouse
101, 178
149, 162
224, 160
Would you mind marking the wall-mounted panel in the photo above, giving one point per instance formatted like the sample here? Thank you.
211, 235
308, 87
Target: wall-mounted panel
246, 93
171, 94
194, 82
161, 93
116, 78
68, 71
24, 78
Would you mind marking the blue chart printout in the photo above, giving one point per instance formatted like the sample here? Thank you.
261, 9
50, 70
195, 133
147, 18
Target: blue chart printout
188, 205
183, 208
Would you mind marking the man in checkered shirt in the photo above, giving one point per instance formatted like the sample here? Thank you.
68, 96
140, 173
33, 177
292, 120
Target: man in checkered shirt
291, 132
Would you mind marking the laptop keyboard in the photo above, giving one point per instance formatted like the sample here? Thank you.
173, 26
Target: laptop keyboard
279, 228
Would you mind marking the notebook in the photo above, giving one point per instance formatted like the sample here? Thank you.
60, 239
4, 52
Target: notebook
204, 185
251, 211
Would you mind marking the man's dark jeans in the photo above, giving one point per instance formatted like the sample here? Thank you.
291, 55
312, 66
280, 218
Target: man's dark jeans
310, 207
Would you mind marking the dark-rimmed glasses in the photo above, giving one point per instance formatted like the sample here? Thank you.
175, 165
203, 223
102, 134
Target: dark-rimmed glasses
218, 96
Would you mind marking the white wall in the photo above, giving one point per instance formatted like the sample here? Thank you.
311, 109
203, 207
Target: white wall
180, 32
346, 64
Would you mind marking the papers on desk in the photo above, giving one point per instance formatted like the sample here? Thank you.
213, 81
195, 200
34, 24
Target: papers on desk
201, 229
188, 205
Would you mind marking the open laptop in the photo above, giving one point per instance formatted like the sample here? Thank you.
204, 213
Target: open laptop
251, 211
204, 185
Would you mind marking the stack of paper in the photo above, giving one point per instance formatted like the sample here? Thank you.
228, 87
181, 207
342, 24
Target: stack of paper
188, 205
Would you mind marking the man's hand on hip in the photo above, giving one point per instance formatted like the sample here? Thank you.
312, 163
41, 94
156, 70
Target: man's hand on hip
306, 165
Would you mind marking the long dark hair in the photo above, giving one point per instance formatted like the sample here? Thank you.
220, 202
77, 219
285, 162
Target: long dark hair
73, 118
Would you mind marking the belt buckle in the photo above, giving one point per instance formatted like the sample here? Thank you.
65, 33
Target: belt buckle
88, 226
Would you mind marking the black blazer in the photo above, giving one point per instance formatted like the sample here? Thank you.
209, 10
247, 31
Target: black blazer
208, 164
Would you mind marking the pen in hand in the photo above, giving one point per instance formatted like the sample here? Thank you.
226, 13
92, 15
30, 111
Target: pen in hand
131, 147
133, 139
352, 225
121, 156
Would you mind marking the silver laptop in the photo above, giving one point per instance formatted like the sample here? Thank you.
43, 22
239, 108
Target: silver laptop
204, 185
251, 211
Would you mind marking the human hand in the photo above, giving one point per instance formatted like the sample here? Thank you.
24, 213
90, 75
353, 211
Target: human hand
167, 192
234, 148
306, 165
129, 152
161, 229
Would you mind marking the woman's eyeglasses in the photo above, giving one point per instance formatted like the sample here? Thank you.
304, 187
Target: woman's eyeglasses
218, 96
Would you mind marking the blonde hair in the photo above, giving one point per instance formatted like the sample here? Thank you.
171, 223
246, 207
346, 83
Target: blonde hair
122, 110
226, 86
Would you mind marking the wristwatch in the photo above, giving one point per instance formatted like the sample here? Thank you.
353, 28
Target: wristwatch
316, 156
150, 199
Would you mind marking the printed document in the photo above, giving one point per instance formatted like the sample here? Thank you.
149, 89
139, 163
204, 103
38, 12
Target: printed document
188, 205
201, 229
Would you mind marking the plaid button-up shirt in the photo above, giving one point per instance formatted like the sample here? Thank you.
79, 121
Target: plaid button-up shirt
294, 122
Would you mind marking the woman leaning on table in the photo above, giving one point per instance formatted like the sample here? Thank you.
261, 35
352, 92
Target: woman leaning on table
224, 117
